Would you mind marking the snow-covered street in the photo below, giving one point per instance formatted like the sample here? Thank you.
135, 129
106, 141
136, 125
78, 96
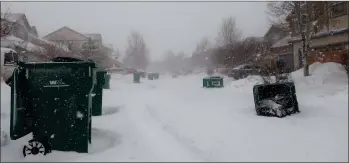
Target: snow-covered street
175, 119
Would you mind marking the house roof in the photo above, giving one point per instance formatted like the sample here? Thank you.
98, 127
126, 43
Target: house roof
283, 42
13, 17
94, 36
274, 27
64, 27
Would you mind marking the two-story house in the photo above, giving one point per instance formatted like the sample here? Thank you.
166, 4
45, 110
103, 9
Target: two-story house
67, 37
78, 43
21, 36
330, 41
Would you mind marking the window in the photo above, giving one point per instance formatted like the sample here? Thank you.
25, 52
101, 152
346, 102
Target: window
339, 9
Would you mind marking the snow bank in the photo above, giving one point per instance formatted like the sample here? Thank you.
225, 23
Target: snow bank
247, 83
330, 77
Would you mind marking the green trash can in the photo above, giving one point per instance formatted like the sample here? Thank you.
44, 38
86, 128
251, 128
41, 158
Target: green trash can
53, 101
143, 74
213, 82
150, 76
97, 95
156, 75
137, 77
107, 81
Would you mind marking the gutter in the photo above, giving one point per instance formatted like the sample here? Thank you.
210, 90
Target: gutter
322, 34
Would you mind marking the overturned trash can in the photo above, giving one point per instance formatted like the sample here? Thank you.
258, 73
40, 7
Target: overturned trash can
53, 101
213, 82
97, 96
278, 99
137, 77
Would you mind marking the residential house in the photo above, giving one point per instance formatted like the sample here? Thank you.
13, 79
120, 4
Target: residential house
67, 37
77, 42
330, 41
97, 38
21, 36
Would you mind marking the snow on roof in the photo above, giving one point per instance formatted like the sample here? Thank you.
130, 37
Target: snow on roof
12, 17
6, 50
12, 41
324, 33
239, 67
282, 42
63, 47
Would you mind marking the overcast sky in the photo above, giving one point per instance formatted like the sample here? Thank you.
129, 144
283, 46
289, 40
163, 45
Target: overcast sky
165, 25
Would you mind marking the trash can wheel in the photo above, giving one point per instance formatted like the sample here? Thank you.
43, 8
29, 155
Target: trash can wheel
35, 147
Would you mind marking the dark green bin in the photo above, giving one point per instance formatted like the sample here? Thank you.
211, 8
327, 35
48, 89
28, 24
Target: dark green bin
283, 94
213, 82
107, 81
150, 76
137, 77
53, 101
97, 99
156, 75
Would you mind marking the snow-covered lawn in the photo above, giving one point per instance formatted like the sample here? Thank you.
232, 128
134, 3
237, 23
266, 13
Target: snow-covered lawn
175, 119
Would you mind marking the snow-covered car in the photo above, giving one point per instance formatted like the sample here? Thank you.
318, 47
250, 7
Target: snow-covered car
9, 59
242, 71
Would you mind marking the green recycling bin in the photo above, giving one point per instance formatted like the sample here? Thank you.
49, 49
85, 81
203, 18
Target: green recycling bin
97, 95
107, 81
150, 76
213, 82
156, 75
143, 74
137, 77
53, 101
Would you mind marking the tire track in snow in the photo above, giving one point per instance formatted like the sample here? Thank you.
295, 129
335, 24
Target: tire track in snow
182, 140
167, 146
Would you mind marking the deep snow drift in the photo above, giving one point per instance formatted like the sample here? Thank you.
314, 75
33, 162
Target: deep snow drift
175, 119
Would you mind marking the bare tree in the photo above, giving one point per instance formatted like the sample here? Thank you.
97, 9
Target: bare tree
228, 32
202, 46
7, 26
306, 18
137, 53
228, 40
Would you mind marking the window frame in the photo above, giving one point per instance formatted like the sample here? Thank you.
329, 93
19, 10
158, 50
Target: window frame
341, 13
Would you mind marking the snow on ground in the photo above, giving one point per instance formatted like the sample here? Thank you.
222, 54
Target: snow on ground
175, 119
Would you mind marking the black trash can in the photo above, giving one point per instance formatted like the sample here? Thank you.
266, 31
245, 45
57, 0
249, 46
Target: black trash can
97, 98
56, 106
278, 99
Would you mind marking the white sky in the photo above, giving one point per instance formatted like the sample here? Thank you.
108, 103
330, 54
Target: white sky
165, 25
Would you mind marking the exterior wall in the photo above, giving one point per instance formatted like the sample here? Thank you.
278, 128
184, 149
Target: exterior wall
65, 36
342, 38
339, 22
